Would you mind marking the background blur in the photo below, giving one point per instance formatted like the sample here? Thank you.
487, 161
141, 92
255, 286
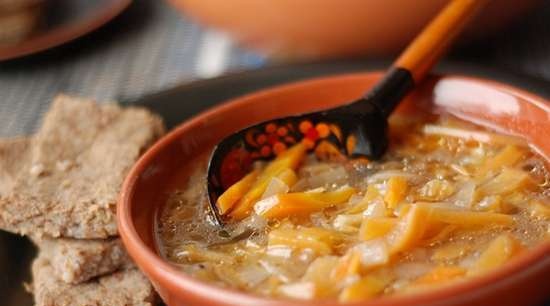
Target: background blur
151, 47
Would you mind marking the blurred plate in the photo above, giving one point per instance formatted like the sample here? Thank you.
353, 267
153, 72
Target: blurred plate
63, 21
182, 102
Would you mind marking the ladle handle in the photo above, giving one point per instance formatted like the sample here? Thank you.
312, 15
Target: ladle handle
424, 52
428, 47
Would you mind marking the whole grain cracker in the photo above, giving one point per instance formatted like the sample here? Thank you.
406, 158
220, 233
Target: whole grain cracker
78, 160
124, 288
76, 261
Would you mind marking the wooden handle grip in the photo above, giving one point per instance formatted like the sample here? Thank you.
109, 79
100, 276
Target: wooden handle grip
434, 40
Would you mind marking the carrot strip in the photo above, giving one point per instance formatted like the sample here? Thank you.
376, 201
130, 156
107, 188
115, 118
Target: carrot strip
234, 193
289, 159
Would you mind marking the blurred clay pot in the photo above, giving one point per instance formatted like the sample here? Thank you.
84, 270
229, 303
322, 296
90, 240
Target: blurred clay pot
18, 19
335, 28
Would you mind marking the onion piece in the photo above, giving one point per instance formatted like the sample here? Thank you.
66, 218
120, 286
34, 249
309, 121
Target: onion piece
347, 223
316, 190
333, 176
265, 204
253, 222
252, 275
412, 270
195, 253
279, 251
465, 196
299, 290
460, 170
301, 185
375, 209
275, 186
373, 253
486, 137
314, 169
276, 271
436, 190
355, 199
319, 272
387, 174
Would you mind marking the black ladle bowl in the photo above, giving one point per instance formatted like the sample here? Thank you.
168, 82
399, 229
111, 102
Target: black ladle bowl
356, 129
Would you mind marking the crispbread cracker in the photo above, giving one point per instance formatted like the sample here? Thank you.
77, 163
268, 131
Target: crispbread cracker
73, 260
78, 160
123, 288
76, 261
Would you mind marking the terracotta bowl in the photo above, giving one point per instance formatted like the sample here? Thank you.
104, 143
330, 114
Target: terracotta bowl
523, 281
307, 29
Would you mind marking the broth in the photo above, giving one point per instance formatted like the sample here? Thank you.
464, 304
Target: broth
447, 202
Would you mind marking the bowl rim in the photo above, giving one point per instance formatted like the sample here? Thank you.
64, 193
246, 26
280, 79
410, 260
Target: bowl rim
167, 275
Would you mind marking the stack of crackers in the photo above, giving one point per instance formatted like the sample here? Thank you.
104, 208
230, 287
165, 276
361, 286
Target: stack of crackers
59, 187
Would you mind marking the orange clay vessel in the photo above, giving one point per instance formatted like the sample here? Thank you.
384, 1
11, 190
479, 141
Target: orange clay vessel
163, 168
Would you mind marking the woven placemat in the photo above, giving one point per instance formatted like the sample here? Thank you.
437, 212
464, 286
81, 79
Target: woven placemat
147, 49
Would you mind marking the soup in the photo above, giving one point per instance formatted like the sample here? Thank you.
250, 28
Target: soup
448, 201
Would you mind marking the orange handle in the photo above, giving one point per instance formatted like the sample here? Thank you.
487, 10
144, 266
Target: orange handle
431, 44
